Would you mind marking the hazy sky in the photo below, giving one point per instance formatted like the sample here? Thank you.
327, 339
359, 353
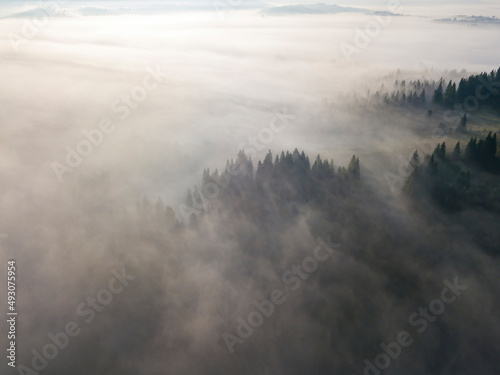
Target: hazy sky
434, 8
226, 79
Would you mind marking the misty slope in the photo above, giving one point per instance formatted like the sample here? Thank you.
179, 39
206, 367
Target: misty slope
284, 264
193, 284
465, 181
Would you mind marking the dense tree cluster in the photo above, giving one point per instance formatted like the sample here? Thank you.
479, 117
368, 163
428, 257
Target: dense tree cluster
277, 186
413, 93
274, 190
483, 88
462, 178
256, 224
483, 152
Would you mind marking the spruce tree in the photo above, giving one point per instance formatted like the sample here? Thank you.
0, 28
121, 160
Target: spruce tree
437, 98
354, 168
455, 155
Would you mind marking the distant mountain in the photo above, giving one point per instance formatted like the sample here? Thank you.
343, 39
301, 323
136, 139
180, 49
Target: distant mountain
471, 20
112, 8
42, 11
318, 8
60, 11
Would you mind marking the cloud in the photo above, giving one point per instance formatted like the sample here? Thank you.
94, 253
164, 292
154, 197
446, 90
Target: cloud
224, 82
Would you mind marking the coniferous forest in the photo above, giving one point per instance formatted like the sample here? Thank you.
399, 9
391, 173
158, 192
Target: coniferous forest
215, 189
352, 269
293, 264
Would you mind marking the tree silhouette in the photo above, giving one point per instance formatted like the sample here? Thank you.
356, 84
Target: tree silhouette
437, 98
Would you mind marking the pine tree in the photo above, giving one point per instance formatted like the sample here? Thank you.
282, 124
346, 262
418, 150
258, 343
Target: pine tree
440, 151
437, 98
268, 161
462, 90
443, 151
266, 168
490, 145
421, 98
455, 155
449, 95
471, 150
432, 166
258, 173
354, 168
316, 168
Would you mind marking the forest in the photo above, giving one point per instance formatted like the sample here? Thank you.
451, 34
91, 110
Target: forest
388, 256
264, 206
470, 90
255, 219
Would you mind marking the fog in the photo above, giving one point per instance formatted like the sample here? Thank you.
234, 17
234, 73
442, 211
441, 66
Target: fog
173, 92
